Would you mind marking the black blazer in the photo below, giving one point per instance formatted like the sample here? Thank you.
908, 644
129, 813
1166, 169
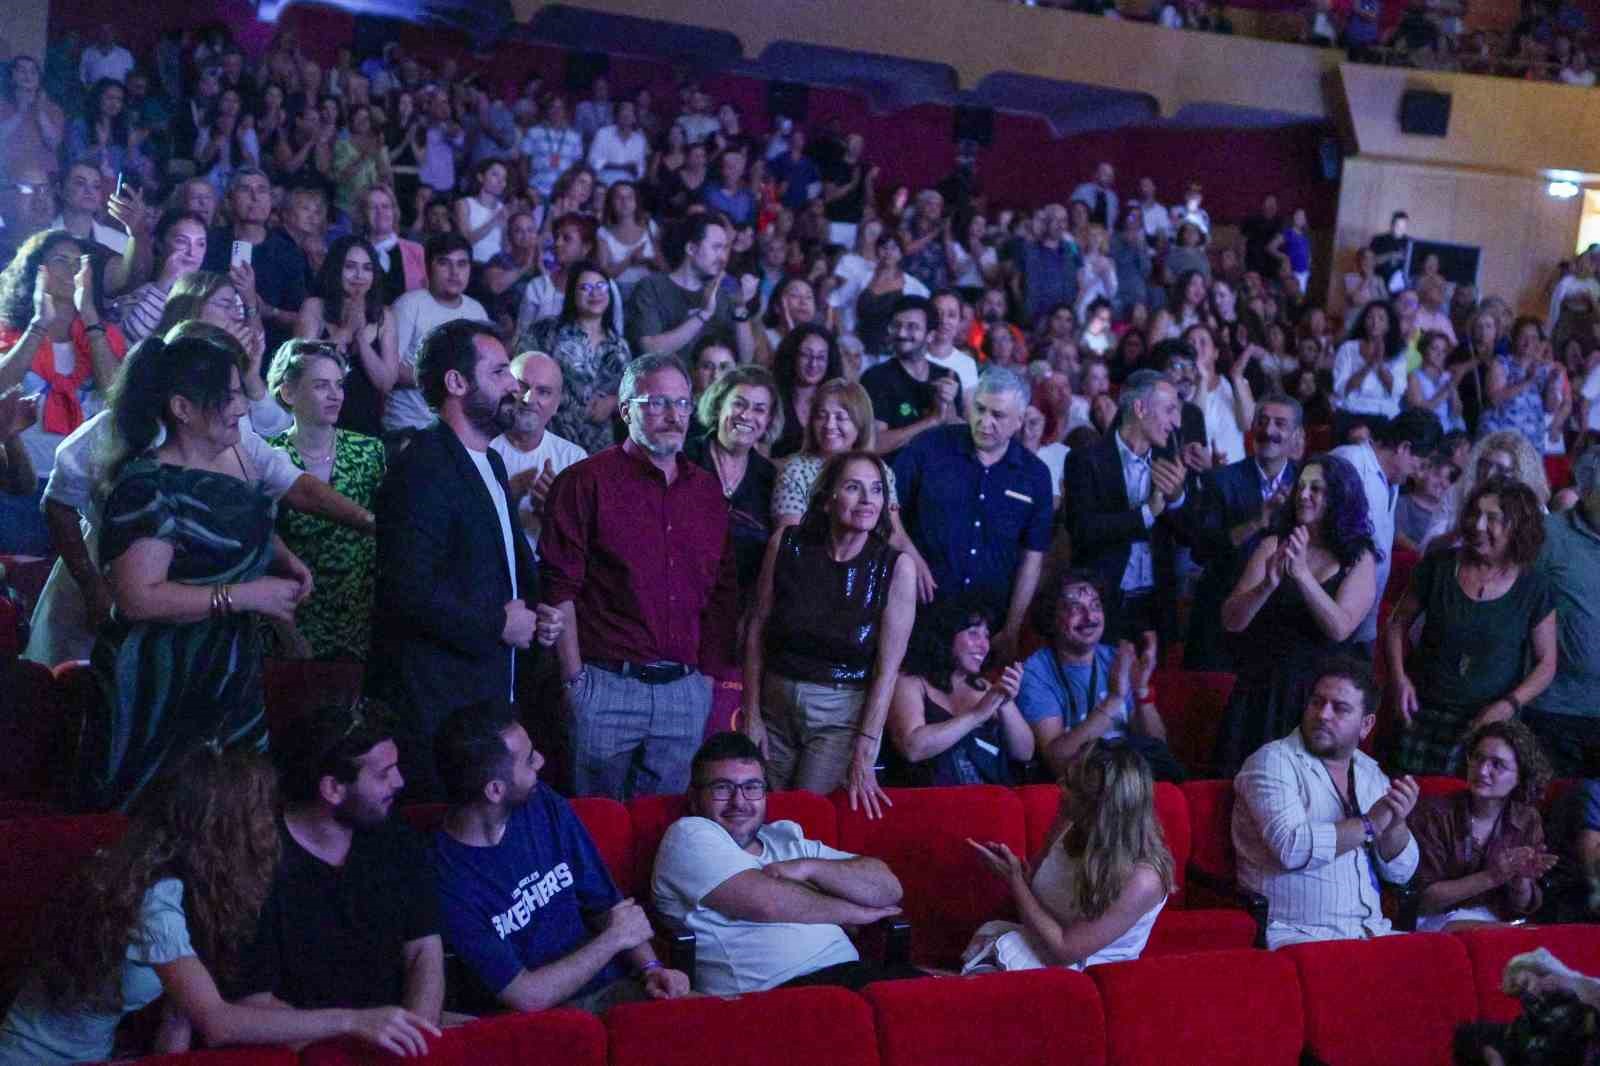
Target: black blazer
442, 587
1104, 525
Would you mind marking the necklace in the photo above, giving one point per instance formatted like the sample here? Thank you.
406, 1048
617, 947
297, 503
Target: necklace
718, 458
318, 459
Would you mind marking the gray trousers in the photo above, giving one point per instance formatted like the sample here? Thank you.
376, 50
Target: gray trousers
630, 738
811, 731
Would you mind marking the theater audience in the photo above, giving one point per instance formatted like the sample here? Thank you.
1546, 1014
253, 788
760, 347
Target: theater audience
1563, 716
807, 357
167, 913
402, 266
1316, 823
280, 267
1094, 892
666, 312
1524, 385
1481, 850
1488, 644
516, 873
188, 541
766, 903
1369, 369
1505, 453
180, 239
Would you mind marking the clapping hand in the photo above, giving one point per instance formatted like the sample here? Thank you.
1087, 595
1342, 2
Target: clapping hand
1296, 555
17, 412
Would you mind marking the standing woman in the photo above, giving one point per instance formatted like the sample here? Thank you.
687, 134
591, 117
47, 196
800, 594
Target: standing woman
592, 355
807, 357
1476, 355
629, 246
741, 407
1369, 369
875, 305
793, 304
1304, 591
1433, 385
1524, 386
165, 912
31, 124
405, 158
308, 377
360, 161
1489, 613
187, 541
824, 647
401, 265
481, 217
348, 310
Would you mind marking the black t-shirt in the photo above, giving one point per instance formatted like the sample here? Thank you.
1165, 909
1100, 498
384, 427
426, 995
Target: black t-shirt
335, 936
280, 269
848, 208
1258, 233
1391, 252
898, 399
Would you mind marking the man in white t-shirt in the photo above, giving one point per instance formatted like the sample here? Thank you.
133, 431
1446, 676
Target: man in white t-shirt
765, 903
418, 311
105, 58
533, 455
942, 350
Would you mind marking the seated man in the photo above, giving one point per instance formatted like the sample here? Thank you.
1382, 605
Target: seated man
1316, 823
1078, 690
351, 919
765, 904
517, 873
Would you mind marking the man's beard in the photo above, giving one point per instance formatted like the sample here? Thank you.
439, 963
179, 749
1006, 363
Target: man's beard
489, 417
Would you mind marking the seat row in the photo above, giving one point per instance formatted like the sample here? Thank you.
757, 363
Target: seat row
1345, 1003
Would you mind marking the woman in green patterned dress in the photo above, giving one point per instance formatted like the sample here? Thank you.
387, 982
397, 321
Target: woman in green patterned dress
187, 542
336, 622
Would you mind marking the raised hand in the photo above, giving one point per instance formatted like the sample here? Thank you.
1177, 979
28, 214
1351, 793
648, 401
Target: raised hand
44, 305
1010, 681
1001, 860
83, 292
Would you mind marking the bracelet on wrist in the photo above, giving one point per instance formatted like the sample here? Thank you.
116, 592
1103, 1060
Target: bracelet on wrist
94, 327
653, 964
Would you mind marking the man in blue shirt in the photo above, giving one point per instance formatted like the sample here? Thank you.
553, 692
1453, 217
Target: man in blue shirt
516, 873
1049, 267
728, 194
979, 505
797, 174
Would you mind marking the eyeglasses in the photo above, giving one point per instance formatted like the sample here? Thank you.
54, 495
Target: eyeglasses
722, 791
658, 404
592, 288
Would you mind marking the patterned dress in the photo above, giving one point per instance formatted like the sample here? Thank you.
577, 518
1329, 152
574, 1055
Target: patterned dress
166, 686
587, 371
1524, 412
337, 620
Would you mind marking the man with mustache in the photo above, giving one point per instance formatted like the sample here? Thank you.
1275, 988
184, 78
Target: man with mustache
1236, 504
455, 580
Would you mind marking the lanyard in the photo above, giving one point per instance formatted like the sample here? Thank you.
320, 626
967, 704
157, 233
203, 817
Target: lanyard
1352, 809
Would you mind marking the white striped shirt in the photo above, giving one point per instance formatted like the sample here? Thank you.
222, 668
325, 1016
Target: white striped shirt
1284, 815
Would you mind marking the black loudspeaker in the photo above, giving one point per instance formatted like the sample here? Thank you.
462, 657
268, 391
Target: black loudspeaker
1424, 114
975, 124
583, 68
789, 99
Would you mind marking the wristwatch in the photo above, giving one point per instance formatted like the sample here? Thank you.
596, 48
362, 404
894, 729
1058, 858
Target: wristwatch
1369, 833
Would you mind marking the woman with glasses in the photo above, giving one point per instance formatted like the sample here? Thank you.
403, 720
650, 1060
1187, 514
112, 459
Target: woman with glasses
592, 355
1093, 893
309, 378
741, 409
833, 613
212, 298
1506, 454
807, 356
349, 312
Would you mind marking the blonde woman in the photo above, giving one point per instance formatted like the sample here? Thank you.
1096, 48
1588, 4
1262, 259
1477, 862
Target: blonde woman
1093, 893
1507, 453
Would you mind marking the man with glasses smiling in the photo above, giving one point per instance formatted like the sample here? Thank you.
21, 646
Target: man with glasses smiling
765, 903
637, 554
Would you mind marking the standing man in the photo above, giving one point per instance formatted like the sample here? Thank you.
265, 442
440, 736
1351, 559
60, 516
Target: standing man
1049, 267
1392, 250
278, 265
454, 578
942, 349
909, 394
417, 312
1565, 717
532, 454
1316, 823
1112, 497
978, 505
1100, 197
667, 312
638, 558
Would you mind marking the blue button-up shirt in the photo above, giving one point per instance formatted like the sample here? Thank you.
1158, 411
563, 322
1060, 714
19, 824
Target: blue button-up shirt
970, 521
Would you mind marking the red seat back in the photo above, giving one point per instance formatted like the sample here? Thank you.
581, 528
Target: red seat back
1034, 1018
1490, 949
233, 1056
1223, 1008
32, 732
1440, 785
425, 818
40, 854
568, 1037
1384, 1001
1402, 562
612, 832
1041, 802
1558, 471
294, 688
1191, 704
1210, 826
785, 1027
923, 838
651, 815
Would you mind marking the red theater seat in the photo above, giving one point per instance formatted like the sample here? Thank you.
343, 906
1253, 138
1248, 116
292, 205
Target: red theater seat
1210, 837
31, 731
785, 1027
1036, 1018
568, 1037
233, 1056
612, 832
923, 838
1385, 1001
1191, 704
40, 854
651, 815
1558, 471
1490, 949
1440, 785
1223, 1008
293, 688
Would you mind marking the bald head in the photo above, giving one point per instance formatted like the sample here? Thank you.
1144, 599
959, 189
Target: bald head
541, 381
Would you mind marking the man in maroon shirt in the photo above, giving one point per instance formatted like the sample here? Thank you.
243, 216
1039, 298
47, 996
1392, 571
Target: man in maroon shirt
637, 555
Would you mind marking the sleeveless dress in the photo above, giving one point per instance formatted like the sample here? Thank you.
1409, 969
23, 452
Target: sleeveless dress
363, 402
1276, 659
166, 686
979, 758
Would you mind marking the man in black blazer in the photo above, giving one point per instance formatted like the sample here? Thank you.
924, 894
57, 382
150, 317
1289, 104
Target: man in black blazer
1119, 500
1236, 505
455, 577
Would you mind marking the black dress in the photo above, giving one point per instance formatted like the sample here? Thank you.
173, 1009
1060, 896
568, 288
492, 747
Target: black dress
749, 510
363, 402
979, 758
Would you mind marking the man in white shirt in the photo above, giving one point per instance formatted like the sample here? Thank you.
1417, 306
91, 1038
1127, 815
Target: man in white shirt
1156, 217
105, 58
698, 122
942, 350
415, 313
1316, 824
618, 151
533, 455
1395, 452
765, 903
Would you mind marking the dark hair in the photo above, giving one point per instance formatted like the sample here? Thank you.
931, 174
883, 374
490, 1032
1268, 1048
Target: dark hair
788, 355
91, 109
19, 277
1018, 352
930, 656
692, 230
469, 750
1524, 522
327, 743
443, 244
449, 346
330, 280
1279, 398
587, 229
720, 747
569, 306
712, 338
1346, 523
1415, 426
1050, 590
1356, 671
914, 303
815, 522
1533, 766
611, 190
774, 313
1172, 348
164, 226
197, 365
1392, 341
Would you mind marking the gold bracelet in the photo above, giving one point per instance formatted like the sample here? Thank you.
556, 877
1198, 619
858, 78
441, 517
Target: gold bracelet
216, 601
227, 599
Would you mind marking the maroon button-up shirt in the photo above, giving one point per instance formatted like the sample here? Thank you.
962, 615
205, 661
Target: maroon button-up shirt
648, 566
